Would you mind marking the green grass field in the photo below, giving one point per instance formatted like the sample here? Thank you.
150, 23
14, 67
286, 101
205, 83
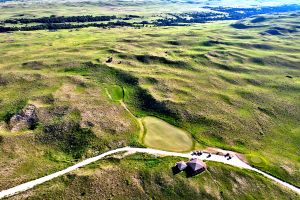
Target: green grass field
141, 176
161, 135
149, 9
230, 88
115, 92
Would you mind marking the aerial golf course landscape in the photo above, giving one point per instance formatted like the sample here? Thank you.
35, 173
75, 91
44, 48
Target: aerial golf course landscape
143, 75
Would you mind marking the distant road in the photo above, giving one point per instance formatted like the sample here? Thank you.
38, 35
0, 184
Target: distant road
234, 161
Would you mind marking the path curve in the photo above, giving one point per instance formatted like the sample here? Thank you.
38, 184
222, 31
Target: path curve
234, 161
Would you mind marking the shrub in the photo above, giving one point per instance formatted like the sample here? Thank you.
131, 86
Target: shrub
7, 111
65, 133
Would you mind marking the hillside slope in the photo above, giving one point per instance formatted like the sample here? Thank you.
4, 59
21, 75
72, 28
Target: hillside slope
233, 85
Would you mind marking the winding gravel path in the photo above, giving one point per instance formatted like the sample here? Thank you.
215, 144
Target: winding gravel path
234, 161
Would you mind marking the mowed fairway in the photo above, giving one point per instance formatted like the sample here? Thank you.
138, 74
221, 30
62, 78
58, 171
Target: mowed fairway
161, 135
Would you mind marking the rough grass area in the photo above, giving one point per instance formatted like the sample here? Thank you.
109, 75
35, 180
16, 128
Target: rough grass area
146, 177
23, 159
161, 135
237, 90
148, 9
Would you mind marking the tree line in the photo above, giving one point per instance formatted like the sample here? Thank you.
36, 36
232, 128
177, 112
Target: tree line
63, 26
60, 19
65, 19
222, 13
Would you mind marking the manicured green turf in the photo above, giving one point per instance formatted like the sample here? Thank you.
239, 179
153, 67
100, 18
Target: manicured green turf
115, 92
161, 135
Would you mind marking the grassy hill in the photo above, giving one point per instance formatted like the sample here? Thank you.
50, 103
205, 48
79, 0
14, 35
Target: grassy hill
149, 9
140, 177
230, 86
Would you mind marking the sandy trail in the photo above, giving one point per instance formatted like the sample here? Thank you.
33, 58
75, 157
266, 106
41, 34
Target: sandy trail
234, 161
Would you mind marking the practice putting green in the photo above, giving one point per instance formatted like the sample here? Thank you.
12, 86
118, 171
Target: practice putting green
161, 135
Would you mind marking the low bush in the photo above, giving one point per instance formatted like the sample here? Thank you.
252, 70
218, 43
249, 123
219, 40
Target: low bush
7, 111
67, 135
